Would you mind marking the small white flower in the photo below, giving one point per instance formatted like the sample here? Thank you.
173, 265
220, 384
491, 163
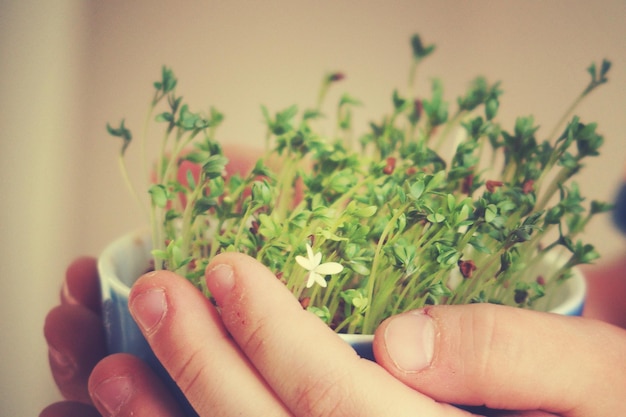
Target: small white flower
316, 269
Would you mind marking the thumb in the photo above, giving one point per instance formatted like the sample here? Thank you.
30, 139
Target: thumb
507, 358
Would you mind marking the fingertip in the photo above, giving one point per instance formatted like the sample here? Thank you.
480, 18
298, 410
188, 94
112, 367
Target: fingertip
69, 409
161, 279
81, 284
225, 271
148, 302
122, 384
220, 280
406, 341
111, 391
474, 348
75, 339
157, 278
149, 308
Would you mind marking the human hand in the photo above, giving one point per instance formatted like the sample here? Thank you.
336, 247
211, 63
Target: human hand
264, 355
75, 337
606, 289
77, 350
74, 333
468, 370
74, 330
509, 359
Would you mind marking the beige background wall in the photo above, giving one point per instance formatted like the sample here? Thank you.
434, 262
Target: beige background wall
68, 68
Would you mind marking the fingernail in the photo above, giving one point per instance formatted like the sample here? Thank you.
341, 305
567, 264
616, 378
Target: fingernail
67, 296
410, 341
220, 280
111, 394
149, 308
64, 368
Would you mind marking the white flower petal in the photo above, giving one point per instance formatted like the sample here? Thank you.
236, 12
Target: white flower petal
315, 278
309, 252
317, 259
329, 268
316, 269
311, 279
305, 263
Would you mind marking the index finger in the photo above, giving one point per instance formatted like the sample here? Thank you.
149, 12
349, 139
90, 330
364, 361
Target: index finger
310, 368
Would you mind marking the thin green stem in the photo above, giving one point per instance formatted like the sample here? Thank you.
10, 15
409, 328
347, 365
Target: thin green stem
566, 115
553, 187
187, 221
144, 140
129, 184
243, 223
371, 282
452, 123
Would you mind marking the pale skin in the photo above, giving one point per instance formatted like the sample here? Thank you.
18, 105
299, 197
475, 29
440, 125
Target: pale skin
264, 355
280, 360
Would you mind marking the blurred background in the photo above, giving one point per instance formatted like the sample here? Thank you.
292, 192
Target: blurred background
69, 66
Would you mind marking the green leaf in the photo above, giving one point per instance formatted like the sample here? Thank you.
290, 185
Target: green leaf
600, 207
191, 181
168, 81
477, 94
262, 170
164, 117
420, 51
451, 200
592, 71
171, 215
159, 254
601, 78
365, 212
584, 253
282, 122
269, 227
491, 108
328, 235
553, 215
204, 204
399, 104
261, 193
216, 117
439, 290
491, 212
436, 217
347, 99
435, 181
359, 268
446, 254
416, 189
190, 121
310, 114
121, 132
323, 313
159, 195
356, 298
436, 109
404, 253
214, 166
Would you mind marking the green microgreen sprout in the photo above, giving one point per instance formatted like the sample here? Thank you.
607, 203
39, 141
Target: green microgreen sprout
399, 223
